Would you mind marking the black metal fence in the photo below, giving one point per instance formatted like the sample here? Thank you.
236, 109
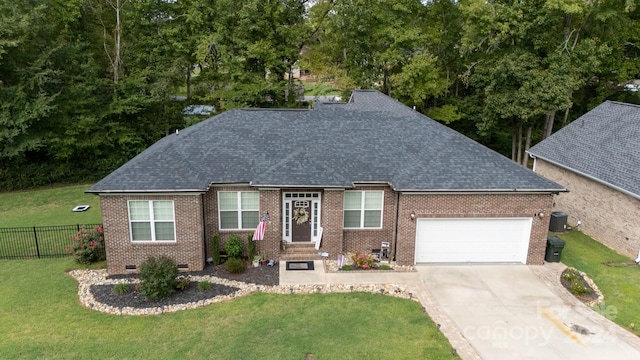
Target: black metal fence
37, 242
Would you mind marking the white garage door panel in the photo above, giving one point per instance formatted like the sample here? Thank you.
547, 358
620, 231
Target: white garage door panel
472, 240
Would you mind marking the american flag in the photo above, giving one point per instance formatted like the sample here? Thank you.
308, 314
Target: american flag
259, 233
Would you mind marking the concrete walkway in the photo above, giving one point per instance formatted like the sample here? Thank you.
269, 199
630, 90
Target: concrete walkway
498, 311
319, 276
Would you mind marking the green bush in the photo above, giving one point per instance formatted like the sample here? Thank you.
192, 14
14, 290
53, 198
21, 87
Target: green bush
577, 287
234, 265
570, 275
215, 249
233, 247
384, 267
158, 277
182, 283
346, 267
576, 284
121, 288
251, 246
204, 286
88, 245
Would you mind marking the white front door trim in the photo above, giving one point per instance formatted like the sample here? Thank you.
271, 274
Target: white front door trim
288, 200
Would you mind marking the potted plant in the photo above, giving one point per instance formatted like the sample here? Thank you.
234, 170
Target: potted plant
263, 259
256, 260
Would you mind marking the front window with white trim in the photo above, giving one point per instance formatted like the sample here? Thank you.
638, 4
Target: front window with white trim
152, 220
238, 210
363, 209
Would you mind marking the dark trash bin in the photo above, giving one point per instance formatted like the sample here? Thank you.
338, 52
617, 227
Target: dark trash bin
554, 249
558, 221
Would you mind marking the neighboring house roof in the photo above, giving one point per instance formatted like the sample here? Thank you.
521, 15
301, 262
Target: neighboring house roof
198, 110
603, 144
371, 139
323, 98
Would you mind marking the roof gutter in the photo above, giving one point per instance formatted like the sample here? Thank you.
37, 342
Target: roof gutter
146, 192
352, 185
482, 191
617, 188
300, 186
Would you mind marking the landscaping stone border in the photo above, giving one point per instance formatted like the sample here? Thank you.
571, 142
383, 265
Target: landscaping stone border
86, 278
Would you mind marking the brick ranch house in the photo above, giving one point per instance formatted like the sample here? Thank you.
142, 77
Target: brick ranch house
596, 157
350, 175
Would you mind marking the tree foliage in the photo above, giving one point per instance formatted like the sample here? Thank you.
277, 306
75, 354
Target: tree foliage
85, 85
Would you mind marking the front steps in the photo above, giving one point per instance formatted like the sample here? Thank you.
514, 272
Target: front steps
300, 251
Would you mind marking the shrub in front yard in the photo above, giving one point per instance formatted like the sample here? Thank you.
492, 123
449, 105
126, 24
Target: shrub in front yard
234, 265
215, 249
121, 288
88, 246
251, 247
182, 283
204, 286
362, 260
158, 277
233, 247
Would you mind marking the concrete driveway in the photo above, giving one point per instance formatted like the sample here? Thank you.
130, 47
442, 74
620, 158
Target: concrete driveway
510, 312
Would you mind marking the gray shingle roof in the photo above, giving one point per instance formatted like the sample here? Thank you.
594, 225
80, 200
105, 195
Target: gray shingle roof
603, 144
371, 139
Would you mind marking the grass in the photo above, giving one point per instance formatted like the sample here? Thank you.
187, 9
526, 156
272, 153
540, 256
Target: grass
40, 317
618, 282
319, 89
48, 206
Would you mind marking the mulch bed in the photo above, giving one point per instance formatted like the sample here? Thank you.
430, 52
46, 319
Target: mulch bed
263, 275
585, 298
105, 294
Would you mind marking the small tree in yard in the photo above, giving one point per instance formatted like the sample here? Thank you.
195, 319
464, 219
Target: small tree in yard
158, 277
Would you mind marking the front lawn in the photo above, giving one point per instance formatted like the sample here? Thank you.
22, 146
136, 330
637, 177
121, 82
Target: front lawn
618, 281
48, 206
41, 317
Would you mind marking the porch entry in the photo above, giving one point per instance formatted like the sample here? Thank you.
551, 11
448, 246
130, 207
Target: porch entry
301, 219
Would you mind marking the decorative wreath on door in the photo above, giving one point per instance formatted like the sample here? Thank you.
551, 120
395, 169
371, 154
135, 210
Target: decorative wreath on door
300, 215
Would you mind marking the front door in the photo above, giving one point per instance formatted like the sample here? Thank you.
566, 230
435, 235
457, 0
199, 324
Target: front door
301, 221
301, 216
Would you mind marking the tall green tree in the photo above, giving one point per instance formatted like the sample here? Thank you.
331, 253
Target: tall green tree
531, 57
369, 42
249, 48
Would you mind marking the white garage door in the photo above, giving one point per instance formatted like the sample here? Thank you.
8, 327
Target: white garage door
472, 240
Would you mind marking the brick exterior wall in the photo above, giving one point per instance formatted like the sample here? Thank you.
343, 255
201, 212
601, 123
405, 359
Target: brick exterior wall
368, 239
607, 215
195, 229
266, 204
270, 200
121, 251
331, 218
473, 205
335, 240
